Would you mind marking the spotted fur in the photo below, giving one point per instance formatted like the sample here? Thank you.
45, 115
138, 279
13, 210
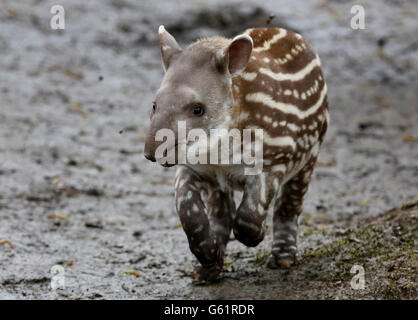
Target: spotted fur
282, 91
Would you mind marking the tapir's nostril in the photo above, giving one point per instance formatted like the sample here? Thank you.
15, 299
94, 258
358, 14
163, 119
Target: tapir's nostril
150, 157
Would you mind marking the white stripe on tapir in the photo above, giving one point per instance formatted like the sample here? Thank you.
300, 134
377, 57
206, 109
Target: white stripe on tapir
267, 100
267, 44
292, 76
249, 76
279, 141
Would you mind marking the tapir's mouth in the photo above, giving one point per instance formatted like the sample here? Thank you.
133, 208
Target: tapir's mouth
166, 164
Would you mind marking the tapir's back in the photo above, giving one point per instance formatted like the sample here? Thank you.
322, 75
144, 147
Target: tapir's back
283, 91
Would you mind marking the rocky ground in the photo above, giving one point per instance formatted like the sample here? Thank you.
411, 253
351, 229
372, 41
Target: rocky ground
76, 191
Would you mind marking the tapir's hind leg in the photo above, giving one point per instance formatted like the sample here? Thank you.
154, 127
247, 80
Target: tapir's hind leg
285, 219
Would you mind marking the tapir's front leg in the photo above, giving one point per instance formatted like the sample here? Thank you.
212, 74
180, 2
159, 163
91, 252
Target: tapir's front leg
249, 223
194, 219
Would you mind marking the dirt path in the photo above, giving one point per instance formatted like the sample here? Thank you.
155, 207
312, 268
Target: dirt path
76, 191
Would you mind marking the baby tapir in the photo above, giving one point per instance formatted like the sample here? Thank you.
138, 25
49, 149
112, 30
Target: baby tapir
265, 78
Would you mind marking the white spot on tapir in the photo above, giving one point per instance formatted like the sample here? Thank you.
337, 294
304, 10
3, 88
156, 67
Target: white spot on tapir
284, 254
267, 119
306, 177
202, 243
249, 76
243, 116
276, 184
278, 241
312, 139
181, 183
198, 229
315, 149
291, 238
267, 162
279, 168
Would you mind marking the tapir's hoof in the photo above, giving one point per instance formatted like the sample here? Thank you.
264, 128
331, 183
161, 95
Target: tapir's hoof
275, 263
204, 274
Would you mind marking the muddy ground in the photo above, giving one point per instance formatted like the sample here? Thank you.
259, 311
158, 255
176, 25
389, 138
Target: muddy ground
76, 191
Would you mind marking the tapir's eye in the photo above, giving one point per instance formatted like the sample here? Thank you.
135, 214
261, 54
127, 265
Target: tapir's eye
198, 110
154, 106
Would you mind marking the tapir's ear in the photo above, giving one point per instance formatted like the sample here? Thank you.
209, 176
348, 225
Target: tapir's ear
169, 47
239, 52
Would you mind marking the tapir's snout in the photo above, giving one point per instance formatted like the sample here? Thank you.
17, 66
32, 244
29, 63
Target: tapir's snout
160, 127
151, 145
149, 156
149, 149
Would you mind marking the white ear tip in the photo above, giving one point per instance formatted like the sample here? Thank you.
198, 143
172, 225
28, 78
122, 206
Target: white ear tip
161, 29
243, 36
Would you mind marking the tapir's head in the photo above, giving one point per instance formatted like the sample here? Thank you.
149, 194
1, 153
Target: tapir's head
196, 88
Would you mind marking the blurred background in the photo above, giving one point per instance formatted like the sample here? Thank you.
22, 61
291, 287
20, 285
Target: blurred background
75, 189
